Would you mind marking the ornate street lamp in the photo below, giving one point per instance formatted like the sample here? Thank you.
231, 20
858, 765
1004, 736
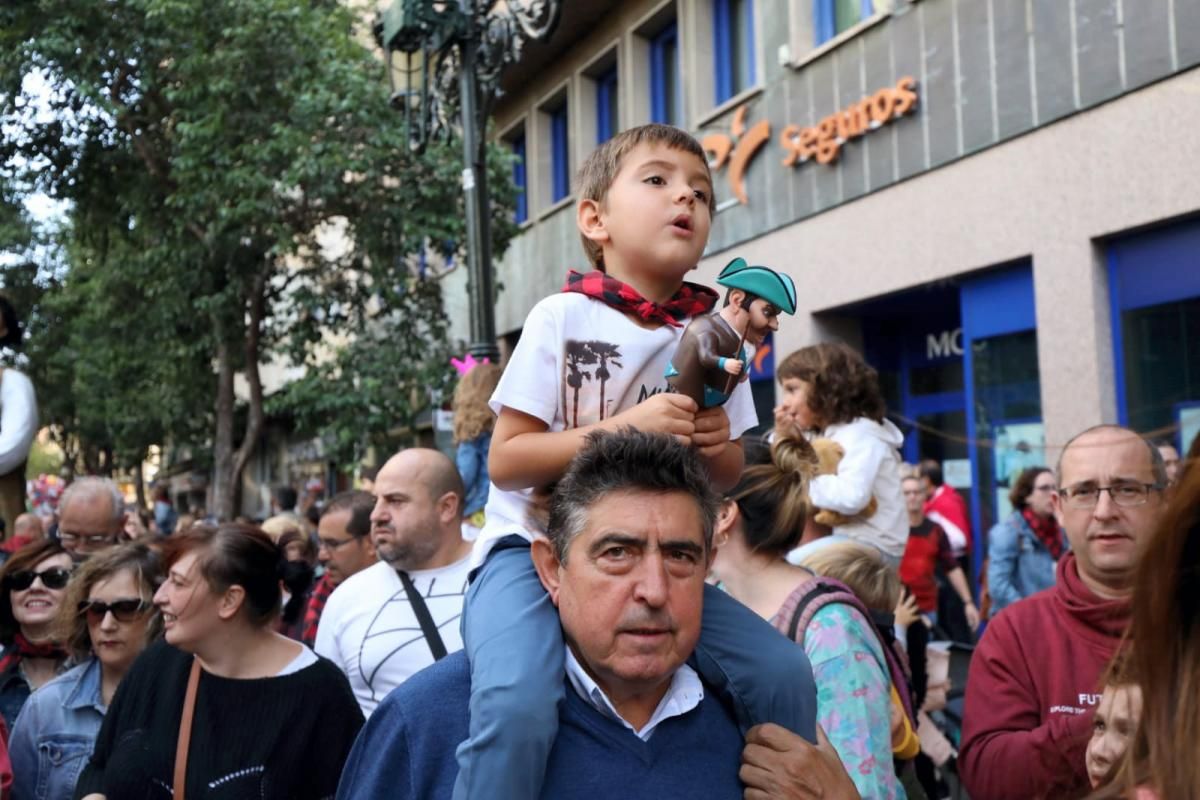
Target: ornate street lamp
445, 58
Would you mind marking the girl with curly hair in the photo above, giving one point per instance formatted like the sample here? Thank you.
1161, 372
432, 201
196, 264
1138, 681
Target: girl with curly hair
831, 392
473, 423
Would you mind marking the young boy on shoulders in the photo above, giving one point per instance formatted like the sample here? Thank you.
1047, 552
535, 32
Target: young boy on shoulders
592, 358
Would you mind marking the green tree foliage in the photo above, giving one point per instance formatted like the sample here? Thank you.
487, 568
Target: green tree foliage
379, 382
239, 190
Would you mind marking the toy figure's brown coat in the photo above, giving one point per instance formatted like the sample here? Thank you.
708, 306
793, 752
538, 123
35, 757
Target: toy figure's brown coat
695, 366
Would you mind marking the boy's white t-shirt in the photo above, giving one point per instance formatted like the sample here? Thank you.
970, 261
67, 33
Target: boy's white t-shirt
579, 362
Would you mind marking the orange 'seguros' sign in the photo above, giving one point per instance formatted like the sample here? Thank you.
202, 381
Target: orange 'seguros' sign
822, 141
825, 139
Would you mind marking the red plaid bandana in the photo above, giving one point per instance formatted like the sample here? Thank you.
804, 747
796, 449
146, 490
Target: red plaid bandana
316, 605
691, 300
23, 648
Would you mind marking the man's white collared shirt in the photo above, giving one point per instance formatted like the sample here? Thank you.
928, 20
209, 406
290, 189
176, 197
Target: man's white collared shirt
684, 694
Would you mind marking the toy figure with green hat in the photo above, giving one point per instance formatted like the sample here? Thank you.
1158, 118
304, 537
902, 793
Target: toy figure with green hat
712, 356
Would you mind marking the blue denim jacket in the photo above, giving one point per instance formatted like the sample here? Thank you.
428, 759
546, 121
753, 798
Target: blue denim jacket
55, 733
1018, 563
471, 458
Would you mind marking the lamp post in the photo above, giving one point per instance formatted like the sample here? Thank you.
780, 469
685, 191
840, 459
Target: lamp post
445, 58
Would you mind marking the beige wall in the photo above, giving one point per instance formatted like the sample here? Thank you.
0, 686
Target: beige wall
1048, 195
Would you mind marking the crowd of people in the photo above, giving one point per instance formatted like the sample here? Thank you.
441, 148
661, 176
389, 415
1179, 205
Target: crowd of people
616, 591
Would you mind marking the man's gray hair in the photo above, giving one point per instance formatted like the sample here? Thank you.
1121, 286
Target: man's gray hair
1157, 465
92, 485
633, 461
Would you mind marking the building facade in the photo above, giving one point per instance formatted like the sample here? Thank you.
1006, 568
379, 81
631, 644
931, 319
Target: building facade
997, 201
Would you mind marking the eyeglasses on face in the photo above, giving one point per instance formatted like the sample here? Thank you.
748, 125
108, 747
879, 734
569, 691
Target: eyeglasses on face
53, 578
92, 539
334, 544
127, 609
1125, 495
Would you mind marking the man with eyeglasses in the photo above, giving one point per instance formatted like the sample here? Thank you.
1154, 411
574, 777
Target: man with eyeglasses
345, 547
1035, 676
91, 515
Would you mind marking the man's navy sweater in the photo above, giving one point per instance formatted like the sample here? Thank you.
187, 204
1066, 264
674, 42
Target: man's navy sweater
407, 748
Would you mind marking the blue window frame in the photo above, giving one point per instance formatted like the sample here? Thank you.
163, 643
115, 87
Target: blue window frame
1154, 291
606, 106
831, 17
519, 179
733, 47
560, 167
664, 77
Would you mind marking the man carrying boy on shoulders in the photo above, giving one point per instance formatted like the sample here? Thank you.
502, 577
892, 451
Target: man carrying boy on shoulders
593, 358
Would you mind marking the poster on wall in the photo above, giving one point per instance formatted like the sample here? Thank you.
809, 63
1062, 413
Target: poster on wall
1189, 426
1017, 446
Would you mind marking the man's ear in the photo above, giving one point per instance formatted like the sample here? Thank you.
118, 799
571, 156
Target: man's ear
545, 561
590, 220
231, 602
448, 506
1056, 504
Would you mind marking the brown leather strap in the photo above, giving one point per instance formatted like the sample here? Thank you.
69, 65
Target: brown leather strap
185, 730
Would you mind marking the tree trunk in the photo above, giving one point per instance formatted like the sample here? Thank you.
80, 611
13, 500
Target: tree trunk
139, 484
222, 489
254, 415
228, 464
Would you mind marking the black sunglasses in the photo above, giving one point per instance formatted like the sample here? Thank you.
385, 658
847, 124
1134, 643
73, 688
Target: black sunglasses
53, 578
127, 609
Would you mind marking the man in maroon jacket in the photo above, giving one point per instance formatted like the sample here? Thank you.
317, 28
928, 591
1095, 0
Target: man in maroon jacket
1035, 676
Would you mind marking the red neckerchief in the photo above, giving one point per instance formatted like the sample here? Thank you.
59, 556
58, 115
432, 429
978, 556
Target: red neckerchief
1046, 530
23, 648
691, 300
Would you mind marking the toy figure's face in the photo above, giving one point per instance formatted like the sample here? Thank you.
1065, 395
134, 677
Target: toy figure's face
764, 318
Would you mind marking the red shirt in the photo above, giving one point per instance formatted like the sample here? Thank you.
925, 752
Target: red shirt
927, 548
1032, 691
6, 774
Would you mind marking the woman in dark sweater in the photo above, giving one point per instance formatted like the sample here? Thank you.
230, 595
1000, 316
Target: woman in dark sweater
272, 720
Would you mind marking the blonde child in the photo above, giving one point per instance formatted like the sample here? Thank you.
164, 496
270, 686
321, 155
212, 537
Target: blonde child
1115, 722
473, 424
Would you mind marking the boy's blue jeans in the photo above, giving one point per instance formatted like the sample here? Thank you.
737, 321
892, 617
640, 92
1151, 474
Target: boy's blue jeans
514, 643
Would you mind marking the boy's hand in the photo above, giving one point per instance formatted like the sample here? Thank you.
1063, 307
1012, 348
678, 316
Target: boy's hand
733, 366
907, 611
666, 412
712, 431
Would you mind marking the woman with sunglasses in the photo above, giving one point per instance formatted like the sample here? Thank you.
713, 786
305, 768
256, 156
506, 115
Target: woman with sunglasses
106, 621
266, 717
33, 584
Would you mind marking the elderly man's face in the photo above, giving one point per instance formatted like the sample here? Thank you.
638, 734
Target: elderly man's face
88, 525
631, 591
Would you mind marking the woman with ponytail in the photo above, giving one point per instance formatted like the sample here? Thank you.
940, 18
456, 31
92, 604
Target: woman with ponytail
225, 701
762, 519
